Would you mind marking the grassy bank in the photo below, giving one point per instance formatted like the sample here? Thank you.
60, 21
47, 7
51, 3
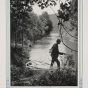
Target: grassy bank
65, 77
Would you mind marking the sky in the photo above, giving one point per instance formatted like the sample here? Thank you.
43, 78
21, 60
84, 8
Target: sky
38, 10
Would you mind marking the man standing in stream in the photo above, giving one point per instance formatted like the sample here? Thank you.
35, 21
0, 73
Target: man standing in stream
55, 52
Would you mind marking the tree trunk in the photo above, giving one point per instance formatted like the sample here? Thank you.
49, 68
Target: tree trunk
15, 39
22, 38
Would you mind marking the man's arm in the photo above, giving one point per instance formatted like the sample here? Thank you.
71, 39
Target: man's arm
61, 53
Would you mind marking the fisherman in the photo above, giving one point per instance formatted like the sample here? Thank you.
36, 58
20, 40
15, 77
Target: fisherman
55, 52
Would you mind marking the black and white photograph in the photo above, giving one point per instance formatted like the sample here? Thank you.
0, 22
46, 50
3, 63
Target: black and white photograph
44, 43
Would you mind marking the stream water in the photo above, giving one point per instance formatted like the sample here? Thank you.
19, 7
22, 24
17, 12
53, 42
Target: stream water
40, 56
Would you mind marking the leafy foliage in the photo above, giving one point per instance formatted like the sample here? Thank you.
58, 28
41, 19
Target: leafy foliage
59, 78
66, 77
48, 23
68, 10
64, 11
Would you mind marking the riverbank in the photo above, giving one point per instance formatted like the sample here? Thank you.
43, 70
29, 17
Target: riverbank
43, 77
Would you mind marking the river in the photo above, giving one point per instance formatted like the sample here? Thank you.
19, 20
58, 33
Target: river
40, 56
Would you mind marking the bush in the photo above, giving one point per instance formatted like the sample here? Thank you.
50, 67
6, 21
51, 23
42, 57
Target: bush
59, 78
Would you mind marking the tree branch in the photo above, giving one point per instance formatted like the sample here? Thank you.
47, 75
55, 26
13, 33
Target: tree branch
65, 44
68, 32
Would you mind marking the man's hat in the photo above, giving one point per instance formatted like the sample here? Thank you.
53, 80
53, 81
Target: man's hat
58, 40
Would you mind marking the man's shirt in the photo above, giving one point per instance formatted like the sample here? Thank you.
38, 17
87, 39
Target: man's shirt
55, 50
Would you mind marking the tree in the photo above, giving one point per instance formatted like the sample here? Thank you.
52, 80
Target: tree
47, 22
18, 8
